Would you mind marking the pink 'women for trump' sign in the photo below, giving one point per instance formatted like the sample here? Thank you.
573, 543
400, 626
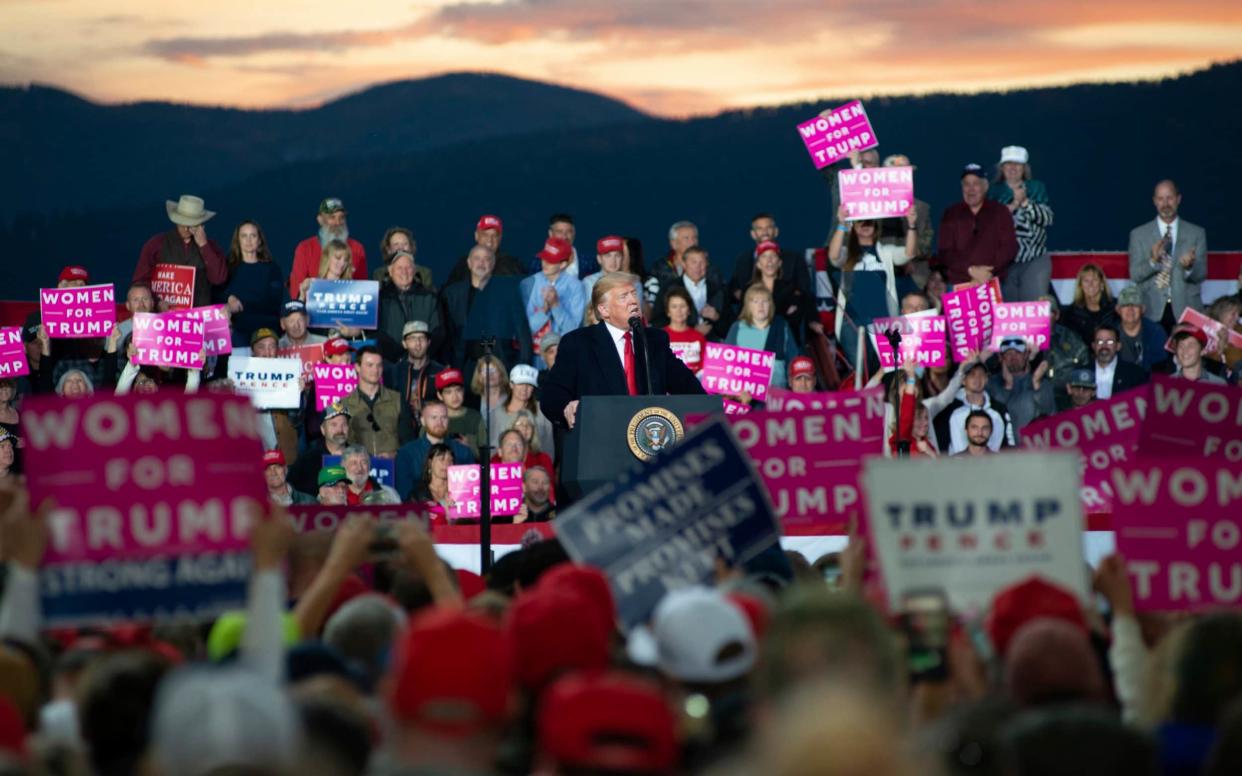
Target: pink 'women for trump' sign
155, 495
1193, 418
922, 340
169, 339
78, 313
832, 135
1178, 523
1026, 320
876, 192
216, 336
12, 353
465, 485
333, 382
969, 313
731, 370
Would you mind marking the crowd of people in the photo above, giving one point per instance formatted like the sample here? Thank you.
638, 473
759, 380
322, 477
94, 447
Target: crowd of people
352, 660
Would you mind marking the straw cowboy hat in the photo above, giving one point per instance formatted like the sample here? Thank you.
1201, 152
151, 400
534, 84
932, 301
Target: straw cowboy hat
187, 211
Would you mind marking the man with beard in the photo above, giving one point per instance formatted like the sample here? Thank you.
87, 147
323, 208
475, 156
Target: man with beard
185, 245
362, 487
978, 432
1112, 375
332, 226
977, 238
335, 430
413, 455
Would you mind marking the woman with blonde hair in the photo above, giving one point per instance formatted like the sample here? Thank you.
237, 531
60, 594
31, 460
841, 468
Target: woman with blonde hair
758, 328
335, 263
1093, 304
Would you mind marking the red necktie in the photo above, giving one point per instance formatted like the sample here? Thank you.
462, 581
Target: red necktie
631, 376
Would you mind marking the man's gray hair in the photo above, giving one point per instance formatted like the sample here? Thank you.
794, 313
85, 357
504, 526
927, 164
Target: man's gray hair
353, 450
677, 227
363, 630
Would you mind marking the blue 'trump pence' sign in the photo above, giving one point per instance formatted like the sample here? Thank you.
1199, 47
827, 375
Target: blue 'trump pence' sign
662, 525
353, 303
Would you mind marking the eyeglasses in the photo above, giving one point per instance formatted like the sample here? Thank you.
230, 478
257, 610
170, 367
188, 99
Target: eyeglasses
1106, 342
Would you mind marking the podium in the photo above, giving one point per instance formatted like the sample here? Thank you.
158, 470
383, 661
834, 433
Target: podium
598, 447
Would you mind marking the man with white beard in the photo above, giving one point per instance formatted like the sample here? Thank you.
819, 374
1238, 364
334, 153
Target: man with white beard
332, 226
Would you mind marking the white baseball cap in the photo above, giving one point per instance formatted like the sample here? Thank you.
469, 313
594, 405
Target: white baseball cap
1014, 154
702, 637
524, 375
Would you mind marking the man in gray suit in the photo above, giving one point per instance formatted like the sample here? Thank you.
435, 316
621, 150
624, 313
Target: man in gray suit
1168, 259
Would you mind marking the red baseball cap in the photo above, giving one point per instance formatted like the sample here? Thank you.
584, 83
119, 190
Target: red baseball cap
74, 272
587, 580
335, 347
1193, 333
449, 377
608, 722
489, 222
801, 365
1030, 599
765, 246
555, 631
609, 244
556, 251
273, 458
452, 673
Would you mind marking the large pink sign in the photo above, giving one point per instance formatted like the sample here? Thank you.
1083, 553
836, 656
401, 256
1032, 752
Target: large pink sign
333, 382
173, 284
876, 192
169, 339
465, 487
922, 340
811, 460
216, 336
832, 136
78, 313
1105, 432
155, 495
12, 353
970, 315
318, 517
731, 370
1193, 418
1028, 320
1178, 523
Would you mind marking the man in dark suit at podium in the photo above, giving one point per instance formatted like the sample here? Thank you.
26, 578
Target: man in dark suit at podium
603, 360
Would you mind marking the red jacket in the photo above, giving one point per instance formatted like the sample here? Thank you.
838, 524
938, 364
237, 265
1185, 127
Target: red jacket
306, 262
969, 239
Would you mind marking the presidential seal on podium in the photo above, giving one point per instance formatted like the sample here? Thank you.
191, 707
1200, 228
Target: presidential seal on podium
651, 430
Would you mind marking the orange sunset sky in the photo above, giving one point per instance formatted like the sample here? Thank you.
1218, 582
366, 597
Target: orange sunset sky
669, 57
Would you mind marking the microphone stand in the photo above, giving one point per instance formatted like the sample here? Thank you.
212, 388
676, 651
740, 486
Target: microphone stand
485, 453
640, 336
893, 335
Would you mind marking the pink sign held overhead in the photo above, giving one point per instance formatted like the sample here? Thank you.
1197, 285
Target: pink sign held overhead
1193, 418
871, 399
173, 284
1027, 320
730, 370
465, 484
832, 135
169, 339
12, 353
333, 382
1178, 523
1105, 433
970, 314
876, 192
216, 336
922, 340
78, 313
155, 495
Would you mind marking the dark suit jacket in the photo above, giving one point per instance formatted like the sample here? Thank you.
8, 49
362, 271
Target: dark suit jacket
497, 312
587, 364
793, 265
1127, 376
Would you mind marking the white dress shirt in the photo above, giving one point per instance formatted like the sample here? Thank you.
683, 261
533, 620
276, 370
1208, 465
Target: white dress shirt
618, 341
1104, 379
698, 291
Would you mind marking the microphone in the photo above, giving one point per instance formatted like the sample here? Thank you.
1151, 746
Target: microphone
636, 323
